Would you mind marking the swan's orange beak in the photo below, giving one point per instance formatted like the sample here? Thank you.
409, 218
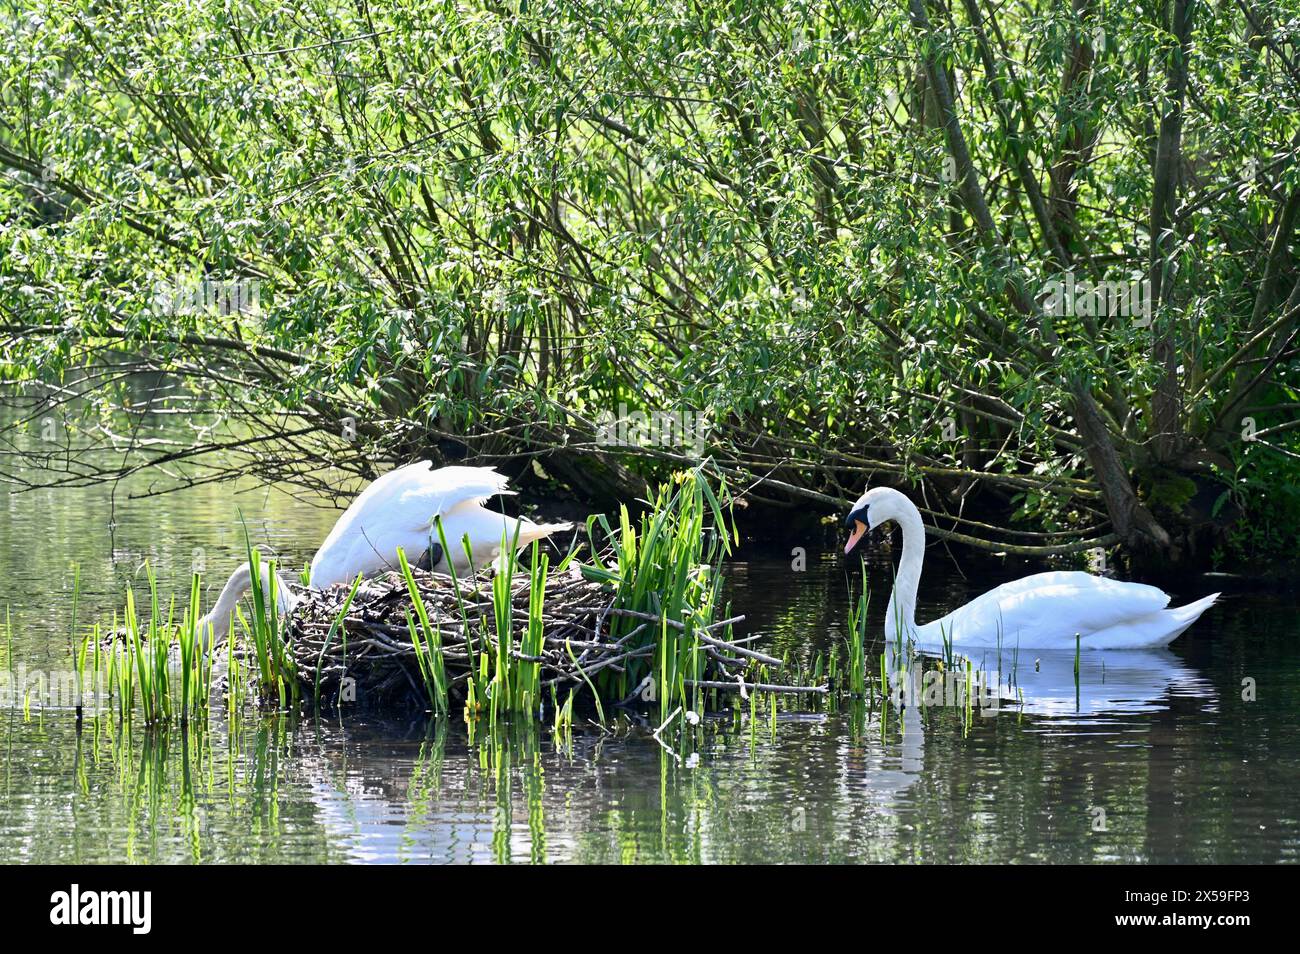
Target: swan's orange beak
859, 528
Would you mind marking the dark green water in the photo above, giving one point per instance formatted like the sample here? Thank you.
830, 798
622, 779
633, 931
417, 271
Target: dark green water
1155, 757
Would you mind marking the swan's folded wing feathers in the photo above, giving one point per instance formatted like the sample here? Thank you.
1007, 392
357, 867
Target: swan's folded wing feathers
451, 487
1045, 605
401, 504
395, 482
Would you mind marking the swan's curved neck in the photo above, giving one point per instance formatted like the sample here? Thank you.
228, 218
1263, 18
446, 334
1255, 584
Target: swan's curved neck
902, 601
215, 625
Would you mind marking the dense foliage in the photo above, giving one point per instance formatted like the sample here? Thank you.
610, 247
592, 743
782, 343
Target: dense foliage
842, 233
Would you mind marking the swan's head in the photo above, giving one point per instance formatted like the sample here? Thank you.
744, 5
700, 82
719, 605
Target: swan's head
878, 505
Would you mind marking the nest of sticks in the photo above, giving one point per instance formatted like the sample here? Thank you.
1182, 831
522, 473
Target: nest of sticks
373, 647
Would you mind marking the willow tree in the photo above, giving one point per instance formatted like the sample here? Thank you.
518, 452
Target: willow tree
1035, 260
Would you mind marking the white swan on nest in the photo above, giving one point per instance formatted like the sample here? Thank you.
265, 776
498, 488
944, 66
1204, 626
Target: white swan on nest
398, 510
1044, 610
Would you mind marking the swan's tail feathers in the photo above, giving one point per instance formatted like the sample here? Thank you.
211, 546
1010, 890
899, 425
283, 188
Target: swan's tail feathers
528, 532
1192, 611
1184, 616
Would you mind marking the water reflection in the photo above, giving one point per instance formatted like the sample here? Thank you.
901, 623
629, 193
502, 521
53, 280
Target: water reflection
866, 783
1077, 691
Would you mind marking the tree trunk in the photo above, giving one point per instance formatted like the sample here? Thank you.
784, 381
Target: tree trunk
1166, 402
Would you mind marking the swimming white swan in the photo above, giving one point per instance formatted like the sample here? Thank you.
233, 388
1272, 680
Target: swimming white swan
1044, 610
398, 510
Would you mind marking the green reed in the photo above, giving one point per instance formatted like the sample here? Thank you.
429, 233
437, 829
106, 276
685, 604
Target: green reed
562, 728
261, 628
528, 676
196, 665
78, 656
884, 678
516, 688
476, 688
595, 694
140, 665
500, 696
427, 641
235, 678
506, 680
857, 639
339, 627
276, 668
667, 565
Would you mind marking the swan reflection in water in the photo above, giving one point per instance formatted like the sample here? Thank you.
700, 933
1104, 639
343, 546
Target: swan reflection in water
1045, 683
1109, 686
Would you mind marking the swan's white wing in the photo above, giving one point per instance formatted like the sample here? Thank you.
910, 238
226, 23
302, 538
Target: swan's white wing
418, 485
398, 510
447, 487
1049, 608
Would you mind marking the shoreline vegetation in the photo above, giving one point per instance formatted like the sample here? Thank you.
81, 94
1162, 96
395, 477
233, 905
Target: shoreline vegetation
1034, 264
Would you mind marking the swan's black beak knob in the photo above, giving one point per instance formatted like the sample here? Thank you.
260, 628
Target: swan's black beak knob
857, 524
